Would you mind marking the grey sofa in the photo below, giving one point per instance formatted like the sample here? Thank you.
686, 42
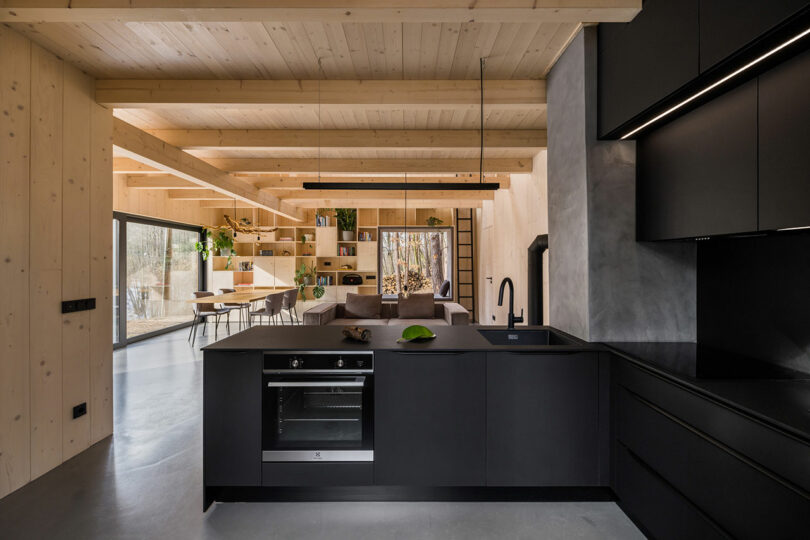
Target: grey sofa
331, 313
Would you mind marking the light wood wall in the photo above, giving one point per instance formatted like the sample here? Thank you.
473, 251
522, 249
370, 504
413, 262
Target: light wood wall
504, 229
55, 214
155, 203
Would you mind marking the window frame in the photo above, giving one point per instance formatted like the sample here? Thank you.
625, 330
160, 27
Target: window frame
451, 257
123, 219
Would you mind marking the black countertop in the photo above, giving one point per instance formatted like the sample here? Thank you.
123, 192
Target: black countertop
772, 394
330, 338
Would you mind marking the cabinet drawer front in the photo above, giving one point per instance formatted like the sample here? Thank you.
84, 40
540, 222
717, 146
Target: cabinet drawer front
542, 419
429, 419
743, 500
660, 509
317, 474
779, 452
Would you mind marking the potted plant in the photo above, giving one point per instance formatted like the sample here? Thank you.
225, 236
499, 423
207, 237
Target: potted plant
433, 221
221, 241
304, 277
347, 223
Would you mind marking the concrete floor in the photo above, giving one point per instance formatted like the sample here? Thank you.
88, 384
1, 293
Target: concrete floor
146, 482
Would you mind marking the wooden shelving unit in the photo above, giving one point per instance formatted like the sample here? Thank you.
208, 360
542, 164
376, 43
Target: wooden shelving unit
321, 248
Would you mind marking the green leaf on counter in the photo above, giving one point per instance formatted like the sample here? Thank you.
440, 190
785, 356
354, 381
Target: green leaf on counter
416, 333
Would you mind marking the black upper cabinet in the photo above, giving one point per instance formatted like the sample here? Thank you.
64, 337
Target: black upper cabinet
430, 419
697, 176
728, 25
542, 419
784, 145
642, 62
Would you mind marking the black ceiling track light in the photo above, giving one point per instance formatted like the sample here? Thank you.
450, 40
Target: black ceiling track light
405, 186
402, 186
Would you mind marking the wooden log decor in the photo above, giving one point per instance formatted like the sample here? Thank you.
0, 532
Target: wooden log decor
357, 333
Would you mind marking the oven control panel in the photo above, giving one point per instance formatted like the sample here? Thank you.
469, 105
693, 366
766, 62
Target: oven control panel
319, 361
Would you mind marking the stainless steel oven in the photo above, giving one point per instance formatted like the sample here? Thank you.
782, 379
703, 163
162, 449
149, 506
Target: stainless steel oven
318, 406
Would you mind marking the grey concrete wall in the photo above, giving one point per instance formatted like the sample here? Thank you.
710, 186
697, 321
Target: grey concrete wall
634, 291
567, 193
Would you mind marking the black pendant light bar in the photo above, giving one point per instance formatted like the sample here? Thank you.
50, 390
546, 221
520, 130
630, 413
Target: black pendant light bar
402, 186
405, 186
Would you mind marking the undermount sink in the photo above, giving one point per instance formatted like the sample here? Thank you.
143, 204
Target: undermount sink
524, 337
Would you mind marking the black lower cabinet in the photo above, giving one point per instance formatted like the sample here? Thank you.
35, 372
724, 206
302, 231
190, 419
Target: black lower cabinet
232, 418
309, 474
430, 419
542, 419
661, 457
650, 501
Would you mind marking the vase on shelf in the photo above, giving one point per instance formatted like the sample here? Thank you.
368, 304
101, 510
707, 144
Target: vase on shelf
347, 236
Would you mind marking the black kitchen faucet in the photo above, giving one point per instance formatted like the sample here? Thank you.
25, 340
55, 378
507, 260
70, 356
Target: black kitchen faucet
512, 319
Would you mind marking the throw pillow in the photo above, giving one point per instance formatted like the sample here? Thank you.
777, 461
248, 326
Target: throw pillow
416, 306
363, 306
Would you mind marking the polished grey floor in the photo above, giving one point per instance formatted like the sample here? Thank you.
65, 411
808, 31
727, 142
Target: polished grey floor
145, 482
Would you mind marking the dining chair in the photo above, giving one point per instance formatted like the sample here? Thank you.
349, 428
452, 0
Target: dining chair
272, 308
230, 306
201, 314
290, 299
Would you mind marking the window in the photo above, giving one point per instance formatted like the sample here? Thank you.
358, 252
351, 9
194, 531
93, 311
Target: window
429, 261
157, 269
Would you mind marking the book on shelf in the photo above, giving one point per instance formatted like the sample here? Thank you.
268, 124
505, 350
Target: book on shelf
346, 251
322, 221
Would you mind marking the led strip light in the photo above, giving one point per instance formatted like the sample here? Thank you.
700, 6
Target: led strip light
718, 83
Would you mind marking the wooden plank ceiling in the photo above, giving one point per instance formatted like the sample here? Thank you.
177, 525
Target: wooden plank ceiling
266, 91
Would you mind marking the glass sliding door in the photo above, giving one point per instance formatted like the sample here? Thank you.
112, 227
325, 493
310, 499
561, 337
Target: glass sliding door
117, 307
158, 270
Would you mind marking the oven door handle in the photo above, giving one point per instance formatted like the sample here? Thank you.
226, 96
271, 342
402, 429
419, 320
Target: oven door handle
353, 383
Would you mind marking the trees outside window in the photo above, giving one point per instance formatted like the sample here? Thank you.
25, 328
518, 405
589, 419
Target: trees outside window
420, 259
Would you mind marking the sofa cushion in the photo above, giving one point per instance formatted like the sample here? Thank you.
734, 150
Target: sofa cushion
416, 306
358, 322
422, 322
363, 306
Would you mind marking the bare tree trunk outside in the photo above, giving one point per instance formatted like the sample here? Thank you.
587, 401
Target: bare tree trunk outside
167, 266
396, 263
436, 261
425, 250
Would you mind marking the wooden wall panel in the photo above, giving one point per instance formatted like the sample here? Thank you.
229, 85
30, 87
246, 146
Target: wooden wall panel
101, 245
45, 238
15, 79
56, 198
76, 257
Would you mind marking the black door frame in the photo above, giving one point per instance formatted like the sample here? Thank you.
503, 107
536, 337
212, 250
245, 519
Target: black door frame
123, 219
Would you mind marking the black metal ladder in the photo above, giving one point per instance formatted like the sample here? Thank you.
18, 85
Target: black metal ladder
465, 266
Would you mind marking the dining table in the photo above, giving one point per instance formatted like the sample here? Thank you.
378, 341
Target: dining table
244, 297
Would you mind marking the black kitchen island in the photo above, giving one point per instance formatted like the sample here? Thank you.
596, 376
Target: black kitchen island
456, 417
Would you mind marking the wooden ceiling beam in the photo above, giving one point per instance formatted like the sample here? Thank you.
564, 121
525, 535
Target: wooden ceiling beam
296, 182
159, 181
379, 165
125, 165
343, 95
229, 205
132, 142
302, 139
376, 11
198, 195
